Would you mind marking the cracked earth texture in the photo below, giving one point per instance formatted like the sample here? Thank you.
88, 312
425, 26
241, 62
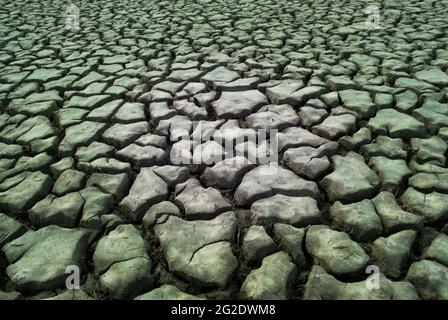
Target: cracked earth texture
88, 119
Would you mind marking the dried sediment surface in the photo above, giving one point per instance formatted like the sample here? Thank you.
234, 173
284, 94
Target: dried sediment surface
96, 123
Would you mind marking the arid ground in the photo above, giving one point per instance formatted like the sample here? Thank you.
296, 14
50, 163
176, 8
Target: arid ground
127, 166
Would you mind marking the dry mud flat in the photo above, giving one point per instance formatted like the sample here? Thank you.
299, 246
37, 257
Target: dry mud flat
89, 119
